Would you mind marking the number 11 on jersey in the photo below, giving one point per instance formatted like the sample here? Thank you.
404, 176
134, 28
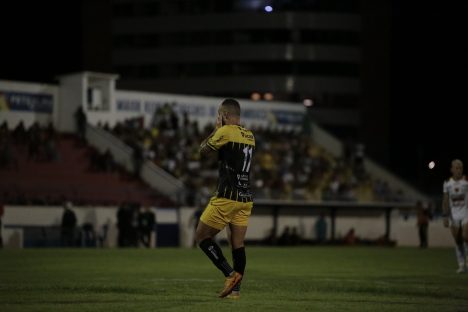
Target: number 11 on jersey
247, 158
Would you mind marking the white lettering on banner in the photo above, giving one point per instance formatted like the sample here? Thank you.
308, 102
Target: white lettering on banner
151, 106
253, 114
30, 102
128, 105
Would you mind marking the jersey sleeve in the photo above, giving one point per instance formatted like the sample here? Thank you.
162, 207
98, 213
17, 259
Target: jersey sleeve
218, 139
445, 187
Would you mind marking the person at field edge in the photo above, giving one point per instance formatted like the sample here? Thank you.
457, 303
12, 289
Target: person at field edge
320, 228
81, 121
455, 211
232, 202
1, 215
423, 217
68, 227
146, 225
350, 237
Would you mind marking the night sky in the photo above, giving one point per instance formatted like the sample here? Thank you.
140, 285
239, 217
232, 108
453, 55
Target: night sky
428, 75
40, 40
429, 64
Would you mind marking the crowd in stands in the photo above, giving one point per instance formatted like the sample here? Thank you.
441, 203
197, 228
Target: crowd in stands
288, 164
40, 144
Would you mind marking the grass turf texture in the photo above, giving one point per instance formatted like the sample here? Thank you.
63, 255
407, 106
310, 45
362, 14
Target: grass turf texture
277, 279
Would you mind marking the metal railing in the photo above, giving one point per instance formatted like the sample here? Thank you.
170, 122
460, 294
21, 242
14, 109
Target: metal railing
156, 177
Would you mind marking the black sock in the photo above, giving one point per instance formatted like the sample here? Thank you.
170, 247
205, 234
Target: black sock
239, 260
212, 250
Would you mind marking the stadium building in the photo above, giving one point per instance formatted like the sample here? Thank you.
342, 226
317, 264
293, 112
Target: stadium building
35, 183
328, 52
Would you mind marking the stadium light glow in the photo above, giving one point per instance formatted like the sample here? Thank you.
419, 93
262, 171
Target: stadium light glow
431, 165
255, 96
308, 102
268, 96
268, 9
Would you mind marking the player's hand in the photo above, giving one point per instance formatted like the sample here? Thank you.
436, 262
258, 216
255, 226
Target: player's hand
219, 121
446, 222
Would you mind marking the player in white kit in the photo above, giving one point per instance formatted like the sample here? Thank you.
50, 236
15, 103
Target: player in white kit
455, 211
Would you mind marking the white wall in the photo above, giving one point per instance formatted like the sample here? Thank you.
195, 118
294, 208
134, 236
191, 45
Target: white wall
17, 216
403, 231
130, 104
72, 95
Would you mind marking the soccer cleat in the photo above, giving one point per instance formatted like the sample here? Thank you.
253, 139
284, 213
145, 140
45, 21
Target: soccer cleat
461, 269
230, 283
233, 295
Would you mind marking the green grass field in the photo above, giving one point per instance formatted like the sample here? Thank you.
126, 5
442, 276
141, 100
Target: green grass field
277, 279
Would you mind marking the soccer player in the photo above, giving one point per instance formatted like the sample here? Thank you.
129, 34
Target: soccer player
232, 203
455, 211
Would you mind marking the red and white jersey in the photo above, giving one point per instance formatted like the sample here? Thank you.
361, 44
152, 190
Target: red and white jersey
457, 191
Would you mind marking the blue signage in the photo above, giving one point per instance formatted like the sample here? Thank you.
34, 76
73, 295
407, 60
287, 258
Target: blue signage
128, 105
288, 117
26, 102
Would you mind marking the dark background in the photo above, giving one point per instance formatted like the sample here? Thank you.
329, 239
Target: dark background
426, 78
429, 63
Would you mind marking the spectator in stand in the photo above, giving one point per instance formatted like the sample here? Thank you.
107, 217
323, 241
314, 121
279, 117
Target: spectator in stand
4, 128
7, 154
108, 162
289, 166
81, 122
51, 144
359, 159
138, 159
19, 133
174, 119
34, 142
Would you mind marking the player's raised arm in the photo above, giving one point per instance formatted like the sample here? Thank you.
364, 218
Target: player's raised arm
216, 139
205, 149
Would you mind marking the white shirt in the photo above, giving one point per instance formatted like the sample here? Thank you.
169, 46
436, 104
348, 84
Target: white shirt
458, 197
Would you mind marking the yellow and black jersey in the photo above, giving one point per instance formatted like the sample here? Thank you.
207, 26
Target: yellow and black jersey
236, 147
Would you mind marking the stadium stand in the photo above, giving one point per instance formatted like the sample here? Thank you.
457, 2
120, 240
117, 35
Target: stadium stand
296, 176
39, 166
289, 166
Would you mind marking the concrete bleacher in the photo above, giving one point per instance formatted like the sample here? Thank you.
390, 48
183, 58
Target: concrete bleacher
70, 178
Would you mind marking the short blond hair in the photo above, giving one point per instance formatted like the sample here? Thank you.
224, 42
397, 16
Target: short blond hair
231, 106
457, 162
